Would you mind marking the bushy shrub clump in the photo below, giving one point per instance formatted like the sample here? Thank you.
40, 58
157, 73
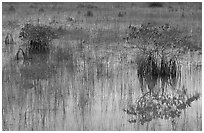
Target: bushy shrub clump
41, 10
89, 6
162, 39
121, 14
89, 14
38, 37
155, 4
160, 47
11, 9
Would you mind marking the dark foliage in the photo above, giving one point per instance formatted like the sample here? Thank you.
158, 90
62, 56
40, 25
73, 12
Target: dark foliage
157, 67
121, 14
33, 6
38, 37
89, 6
41, 10
160, 47
155, 4
89, 14
11, 9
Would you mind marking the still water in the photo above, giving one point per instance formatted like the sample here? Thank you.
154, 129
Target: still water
54, 94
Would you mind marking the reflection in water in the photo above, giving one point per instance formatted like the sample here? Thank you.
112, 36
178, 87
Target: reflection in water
68, 92
157, 102
160, 106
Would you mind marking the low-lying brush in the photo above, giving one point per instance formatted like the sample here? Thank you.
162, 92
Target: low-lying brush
121, 14
38, 38
89, 14
11, 9
89, 6
155, 4
33, 6
41, 10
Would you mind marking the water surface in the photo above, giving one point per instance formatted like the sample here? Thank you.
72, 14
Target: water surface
56, 94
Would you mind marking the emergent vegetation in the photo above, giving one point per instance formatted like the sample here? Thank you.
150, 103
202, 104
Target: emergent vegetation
160, 47
38, 38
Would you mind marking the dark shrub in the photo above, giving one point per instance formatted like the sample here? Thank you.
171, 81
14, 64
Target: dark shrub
147, 65
89, 14
38, 37
121, 14
81, 6
159, 39
41, 10
12, 9
160, 48
33, 6
200, 6
155, 4
157, 67
89, 6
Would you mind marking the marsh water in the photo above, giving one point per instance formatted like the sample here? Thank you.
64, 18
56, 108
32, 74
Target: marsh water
50, 93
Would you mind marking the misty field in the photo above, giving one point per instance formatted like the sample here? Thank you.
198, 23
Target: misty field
101, 66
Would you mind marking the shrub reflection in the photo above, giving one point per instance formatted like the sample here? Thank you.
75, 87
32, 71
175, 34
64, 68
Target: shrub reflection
158, 104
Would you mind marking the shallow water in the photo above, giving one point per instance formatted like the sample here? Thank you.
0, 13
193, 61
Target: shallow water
55, 95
